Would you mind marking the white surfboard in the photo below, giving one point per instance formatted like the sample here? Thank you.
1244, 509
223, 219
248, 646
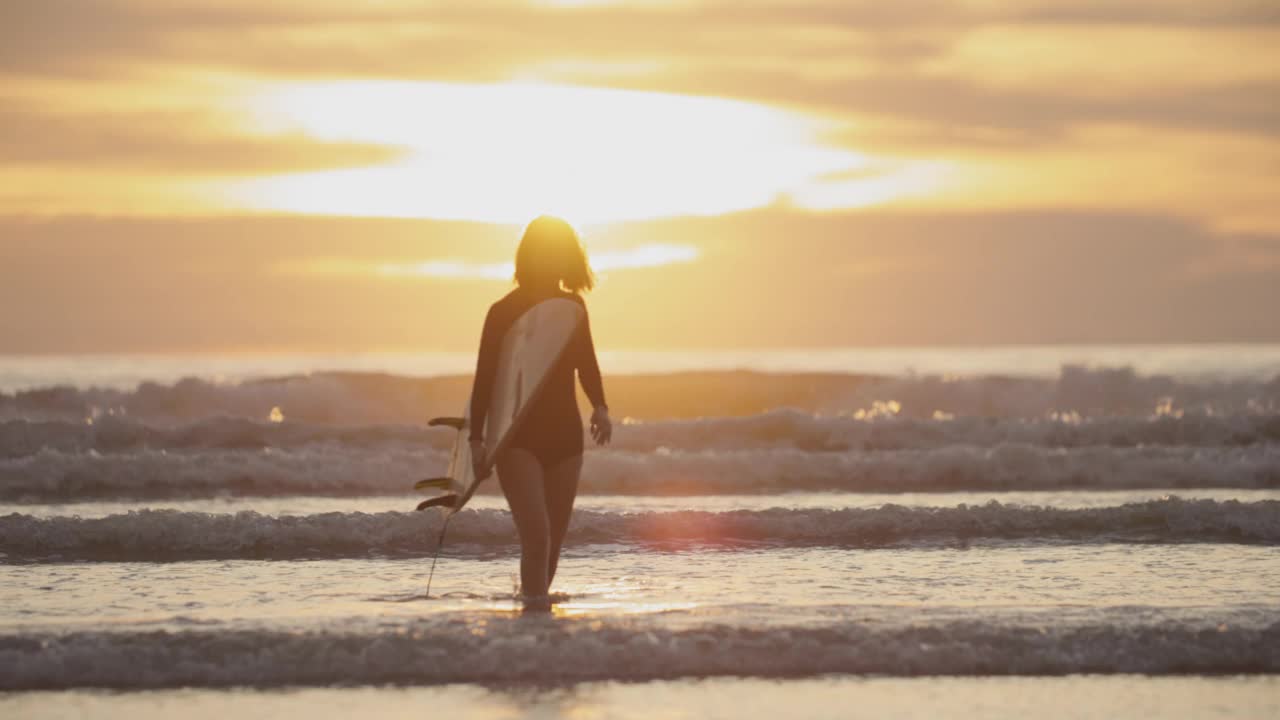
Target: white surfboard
531, 349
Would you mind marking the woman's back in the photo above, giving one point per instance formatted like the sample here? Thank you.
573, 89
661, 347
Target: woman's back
553, 426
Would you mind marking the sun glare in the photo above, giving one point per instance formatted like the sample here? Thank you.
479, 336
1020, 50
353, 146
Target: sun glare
505, 153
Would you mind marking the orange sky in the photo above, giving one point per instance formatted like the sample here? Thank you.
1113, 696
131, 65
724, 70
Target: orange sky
322, 175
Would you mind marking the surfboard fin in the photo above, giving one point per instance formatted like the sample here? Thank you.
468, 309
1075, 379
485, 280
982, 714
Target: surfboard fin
439, 483
456, 423
444, 501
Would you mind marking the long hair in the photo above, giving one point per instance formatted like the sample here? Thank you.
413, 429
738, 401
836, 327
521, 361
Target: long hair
551, 251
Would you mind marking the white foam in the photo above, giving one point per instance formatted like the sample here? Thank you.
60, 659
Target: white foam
807, 431
54, 475
497, 649
50, 476
777, 429
1003, 467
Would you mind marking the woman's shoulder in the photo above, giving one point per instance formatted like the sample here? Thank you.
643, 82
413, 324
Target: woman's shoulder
508, 299
518, 300
502, 308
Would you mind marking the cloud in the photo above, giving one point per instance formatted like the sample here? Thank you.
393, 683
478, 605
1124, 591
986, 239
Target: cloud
946, 80
852, 58
951, 112
643, 256
859, 58
186, 142
765, 278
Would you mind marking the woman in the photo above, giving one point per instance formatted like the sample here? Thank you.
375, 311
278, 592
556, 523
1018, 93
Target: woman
539, 469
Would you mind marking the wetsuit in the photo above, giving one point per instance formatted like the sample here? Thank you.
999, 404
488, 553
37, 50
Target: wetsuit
552, 429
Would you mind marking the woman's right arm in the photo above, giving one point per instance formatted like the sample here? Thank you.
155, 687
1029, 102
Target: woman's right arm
486, 370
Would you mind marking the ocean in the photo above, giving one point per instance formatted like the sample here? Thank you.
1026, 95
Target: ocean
1063, 531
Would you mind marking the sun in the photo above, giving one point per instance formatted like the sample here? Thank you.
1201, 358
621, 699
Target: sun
508, 152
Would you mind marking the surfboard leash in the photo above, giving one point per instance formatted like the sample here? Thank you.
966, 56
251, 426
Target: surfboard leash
439, 546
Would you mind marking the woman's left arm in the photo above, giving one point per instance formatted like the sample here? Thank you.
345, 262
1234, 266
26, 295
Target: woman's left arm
593, 384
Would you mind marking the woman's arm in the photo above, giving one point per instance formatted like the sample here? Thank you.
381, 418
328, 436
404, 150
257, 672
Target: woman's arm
486, 370
593, 384
589, 366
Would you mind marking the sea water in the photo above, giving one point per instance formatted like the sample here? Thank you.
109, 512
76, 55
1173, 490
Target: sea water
979, 532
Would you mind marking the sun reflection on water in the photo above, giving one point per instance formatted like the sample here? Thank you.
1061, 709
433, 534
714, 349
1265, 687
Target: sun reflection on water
577, 609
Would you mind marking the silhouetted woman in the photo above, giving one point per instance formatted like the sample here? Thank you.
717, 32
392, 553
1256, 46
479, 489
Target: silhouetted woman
539, 469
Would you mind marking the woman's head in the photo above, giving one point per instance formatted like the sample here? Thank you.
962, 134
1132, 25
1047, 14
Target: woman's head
551, 254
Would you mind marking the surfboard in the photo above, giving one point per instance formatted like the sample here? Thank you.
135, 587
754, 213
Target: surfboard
531, 349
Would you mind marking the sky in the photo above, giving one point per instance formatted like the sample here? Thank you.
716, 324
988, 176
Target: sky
313, 175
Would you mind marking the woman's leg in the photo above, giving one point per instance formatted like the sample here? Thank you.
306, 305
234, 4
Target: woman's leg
561, 488
520, 475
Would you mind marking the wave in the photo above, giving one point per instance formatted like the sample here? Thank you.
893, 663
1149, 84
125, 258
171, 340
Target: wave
792, 429
502, 649
777, 429
20, 438
371, 398
322, 470
170, 535
159, 474
1004, 467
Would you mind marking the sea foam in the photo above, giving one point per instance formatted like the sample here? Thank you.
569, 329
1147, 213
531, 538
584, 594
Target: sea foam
776, 429
321, 470
501, 649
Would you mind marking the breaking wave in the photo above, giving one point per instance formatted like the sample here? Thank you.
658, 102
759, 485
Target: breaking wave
335, 471
19, 438
59, 476
543, 650
777, 429
169, 535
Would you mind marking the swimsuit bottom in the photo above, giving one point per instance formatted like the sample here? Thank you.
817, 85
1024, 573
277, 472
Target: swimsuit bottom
550, 443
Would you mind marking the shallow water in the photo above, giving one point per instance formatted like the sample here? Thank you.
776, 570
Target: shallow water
837, 698
790, 584
1037, 609
892, 548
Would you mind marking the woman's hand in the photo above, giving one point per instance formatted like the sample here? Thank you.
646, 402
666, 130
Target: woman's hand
478, 452
601, 426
